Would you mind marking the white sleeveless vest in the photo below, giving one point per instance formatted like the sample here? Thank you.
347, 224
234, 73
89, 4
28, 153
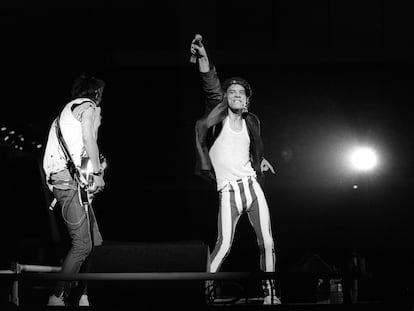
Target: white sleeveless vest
54, 159
230, 154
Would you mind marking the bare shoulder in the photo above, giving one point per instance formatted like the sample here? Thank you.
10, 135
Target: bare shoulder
88, 114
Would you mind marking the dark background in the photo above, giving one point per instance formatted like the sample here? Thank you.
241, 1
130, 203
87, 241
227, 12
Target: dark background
325, 75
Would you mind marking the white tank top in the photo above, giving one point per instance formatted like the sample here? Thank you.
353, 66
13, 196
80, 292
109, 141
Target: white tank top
230, 154
54, 159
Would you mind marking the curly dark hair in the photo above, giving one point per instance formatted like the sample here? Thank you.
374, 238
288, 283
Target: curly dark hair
87, 86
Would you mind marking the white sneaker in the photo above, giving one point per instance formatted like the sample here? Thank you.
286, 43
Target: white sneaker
56, 301
84, 301
269, 290
271, 300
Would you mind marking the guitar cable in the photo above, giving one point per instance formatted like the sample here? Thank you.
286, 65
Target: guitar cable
63, 209
86, 209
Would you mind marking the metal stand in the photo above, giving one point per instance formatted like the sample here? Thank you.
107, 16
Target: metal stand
17, 269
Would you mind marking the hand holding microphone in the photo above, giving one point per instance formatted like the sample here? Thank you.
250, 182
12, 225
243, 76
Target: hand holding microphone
196, 47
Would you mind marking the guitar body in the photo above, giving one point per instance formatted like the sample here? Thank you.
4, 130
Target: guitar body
85, 179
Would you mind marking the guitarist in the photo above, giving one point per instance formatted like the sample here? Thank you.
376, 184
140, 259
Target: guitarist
73, 136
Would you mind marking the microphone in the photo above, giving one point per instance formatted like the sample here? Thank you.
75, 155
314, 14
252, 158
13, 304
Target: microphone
197, 41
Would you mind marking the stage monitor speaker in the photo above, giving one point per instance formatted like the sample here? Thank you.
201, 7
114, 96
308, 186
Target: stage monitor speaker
118, 257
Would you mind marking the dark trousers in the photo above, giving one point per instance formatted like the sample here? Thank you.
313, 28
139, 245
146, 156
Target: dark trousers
84, 235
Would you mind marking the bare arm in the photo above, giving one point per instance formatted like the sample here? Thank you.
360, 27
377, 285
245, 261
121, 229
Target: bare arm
89, 138
90, 142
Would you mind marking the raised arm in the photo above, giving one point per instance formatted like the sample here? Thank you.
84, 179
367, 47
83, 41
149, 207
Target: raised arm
197, 49
210, 81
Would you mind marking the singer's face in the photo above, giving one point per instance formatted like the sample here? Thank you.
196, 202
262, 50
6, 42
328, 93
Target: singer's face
236, 97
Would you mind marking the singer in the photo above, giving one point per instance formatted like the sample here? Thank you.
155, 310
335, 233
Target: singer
229, 153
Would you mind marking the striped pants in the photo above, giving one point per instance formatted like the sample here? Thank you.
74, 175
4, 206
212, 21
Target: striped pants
238, 197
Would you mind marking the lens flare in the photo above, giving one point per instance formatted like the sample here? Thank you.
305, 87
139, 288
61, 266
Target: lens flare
363, 159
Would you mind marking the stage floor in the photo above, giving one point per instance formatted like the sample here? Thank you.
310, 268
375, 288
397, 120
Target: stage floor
363, 306
189, 295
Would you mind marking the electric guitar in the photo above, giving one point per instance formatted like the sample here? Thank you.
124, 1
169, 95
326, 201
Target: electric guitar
25, 146
84, 177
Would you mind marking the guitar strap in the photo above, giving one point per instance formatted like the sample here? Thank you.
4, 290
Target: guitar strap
71, 166
69, 161
83, 196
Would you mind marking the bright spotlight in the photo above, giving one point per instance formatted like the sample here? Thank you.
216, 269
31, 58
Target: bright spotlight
363, 159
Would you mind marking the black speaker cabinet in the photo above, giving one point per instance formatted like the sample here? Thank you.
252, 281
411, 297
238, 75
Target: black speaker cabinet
118, 257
